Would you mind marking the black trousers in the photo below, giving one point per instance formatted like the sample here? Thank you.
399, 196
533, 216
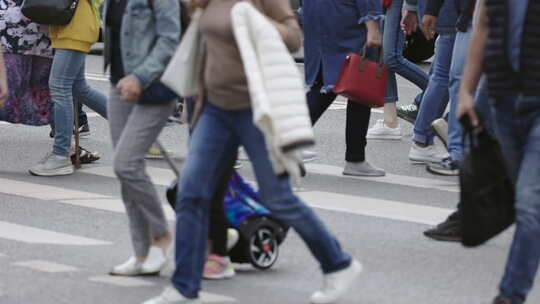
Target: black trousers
217, 233
357, 122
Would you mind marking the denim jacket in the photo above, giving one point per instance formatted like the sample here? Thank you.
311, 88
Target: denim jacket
148, 39
448, 15
332, 29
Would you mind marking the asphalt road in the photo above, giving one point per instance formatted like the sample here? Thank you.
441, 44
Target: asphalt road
60, 236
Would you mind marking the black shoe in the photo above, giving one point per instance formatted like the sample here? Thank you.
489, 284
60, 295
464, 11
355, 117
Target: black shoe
408, 112
446, 167
84, 131
447, 231
502, 300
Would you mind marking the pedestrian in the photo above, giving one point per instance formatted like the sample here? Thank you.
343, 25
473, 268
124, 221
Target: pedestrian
67, 82
449, 166
141, 36
393, 43
226, 121
504, 46
28, 57
435, 97
333, 29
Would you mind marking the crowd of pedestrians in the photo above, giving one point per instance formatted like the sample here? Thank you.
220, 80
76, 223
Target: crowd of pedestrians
486, 69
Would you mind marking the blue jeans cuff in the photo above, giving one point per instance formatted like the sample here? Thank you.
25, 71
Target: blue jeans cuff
338, 267
428, 140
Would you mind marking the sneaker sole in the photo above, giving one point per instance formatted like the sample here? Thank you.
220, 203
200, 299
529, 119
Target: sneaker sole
443, 238
406, 118
147, 274
385, 137
223, 276
60, 172
442, 172
424, 161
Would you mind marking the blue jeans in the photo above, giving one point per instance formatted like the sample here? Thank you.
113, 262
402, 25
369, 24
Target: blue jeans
435, 97
455, 131
518, 129
393, 42
214, 142
66, 83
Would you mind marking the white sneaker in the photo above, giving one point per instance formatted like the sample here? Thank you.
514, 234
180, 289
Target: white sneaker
172, 296
336, 284
53, 165
232, 238
381, 131
308, 156
426, 154
131, 267
155, 261
152, 265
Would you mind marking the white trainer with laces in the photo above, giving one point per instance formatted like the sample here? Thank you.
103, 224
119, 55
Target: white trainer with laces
336, 284
52, 165
427, 154
155, 261
172, 296
381, 131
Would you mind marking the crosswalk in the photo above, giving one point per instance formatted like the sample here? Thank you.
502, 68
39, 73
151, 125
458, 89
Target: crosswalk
54, 193
352, 204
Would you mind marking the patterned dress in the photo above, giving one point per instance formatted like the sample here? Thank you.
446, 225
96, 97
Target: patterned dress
28, 57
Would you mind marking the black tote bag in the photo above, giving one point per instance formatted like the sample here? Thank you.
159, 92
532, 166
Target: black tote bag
487, 194
51, 12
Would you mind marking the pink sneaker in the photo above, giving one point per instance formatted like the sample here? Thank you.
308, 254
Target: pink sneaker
218, 268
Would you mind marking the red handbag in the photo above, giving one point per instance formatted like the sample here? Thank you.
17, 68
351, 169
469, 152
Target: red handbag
362, 80
386, 3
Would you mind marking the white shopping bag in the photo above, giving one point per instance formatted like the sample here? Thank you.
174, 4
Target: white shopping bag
182, 74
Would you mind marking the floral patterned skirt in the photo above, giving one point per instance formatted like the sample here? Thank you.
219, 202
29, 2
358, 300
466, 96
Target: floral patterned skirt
29, 101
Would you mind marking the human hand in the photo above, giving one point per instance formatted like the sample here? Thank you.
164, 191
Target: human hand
466, 107
130, 89
373, 38
429, 24
409, 22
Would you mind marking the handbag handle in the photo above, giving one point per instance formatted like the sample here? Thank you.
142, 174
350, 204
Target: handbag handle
362, 62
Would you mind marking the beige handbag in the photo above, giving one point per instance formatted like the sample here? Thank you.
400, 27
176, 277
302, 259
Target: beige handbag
183, 73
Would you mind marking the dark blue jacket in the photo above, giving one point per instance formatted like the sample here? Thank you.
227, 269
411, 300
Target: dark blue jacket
332, 29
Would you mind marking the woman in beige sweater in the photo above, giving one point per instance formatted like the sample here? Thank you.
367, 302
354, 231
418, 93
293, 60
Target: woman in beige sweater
225, 123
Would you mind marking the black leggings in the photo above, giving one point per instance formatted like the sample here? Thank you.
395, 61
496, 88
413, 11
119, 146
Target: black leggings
357, 119
217, 233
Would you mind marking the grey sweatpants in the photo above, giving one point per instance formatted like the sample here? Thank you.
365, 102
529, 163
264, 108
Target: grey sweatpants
133, 130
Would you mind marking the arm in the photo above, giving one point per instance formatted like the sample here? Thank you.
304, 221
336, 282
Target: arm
473, 67
429, 22
3, 81
371, 20
166, 14
409, 21
282, 17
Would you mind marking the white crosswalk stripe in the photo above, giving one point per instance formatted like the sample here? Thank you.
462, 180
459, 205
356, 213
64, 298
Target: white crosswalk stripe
46, 266
359, 205
121, 281
33, 235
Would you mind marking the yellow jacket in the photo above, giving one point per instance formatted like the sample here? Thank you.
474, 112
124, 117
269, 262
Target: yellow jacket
81, 32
